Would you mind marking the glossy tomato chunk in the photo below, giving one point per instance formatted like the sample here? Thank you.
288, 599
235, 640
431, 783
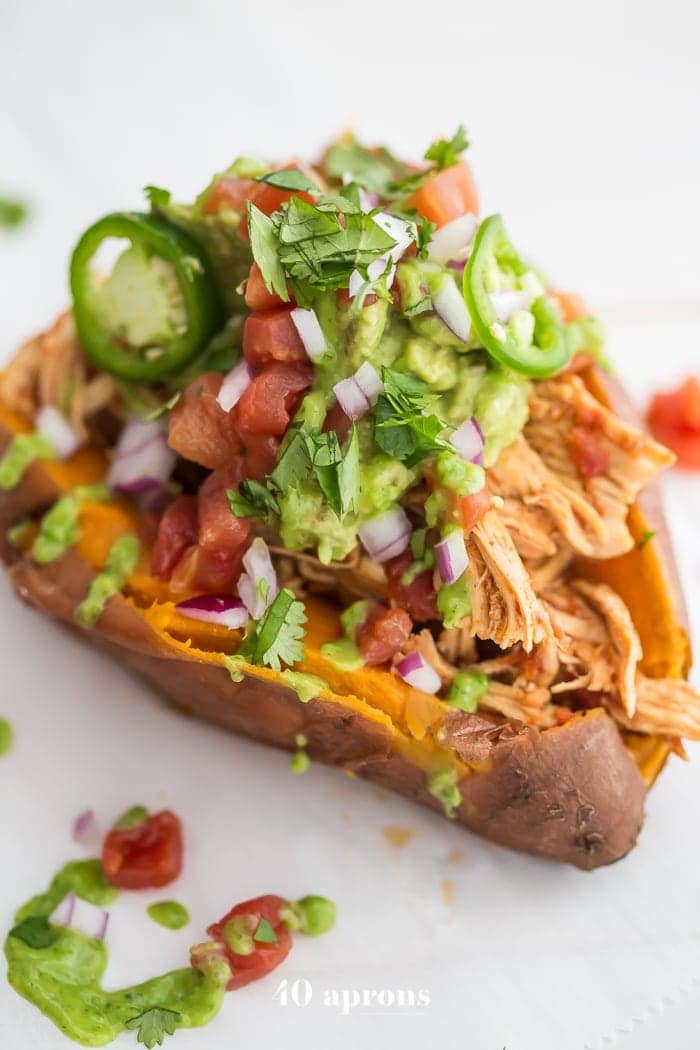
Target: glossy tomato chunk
178, 530
144, 856
472, 508
674, 419
257, 297
418, 598
382, 634
270, 335
447, 194
269, 403
198, 427
237, 930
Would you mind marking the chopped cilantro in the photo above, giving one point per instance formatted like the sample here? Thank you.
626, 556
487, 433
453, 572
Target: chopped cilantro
290, 179
374, 170
253, 500
156, 196
162, 410
337, 473
263, 243
404, 428
265, 933
277, 638
446, 152
153, 1025
34, 931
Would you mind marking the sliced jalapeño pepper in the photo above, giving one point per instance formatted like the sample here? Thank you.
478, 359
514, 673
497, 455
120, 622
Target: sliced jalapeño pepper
537, 345
158, 308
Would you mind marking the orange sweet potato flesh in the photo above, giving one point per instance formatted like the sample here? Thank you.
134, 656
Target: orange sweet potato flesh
572, 793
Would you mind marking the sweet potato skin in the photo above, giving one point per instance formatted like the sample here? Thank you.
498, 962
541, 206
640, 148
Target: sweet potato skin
572, 793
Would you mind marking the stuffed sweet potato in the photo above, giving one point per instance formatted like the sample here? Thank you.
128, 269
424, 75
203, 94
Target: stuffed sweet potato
326, 462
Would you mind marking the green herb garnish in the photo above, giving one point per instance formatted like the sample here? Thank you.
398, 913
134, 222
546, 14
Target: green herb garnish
265, 933
153, 1025
446, 152
277, 638
290, 179
265, 248
157, 197
404, 428
647, 537
253, 500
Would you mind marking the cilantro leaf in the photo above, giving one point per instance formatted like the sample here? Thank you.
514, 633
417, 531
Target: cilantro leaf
263, 243
403, 427
162, 410
34, 931
157, 197
276, 639
338, 474
374, 169
293, 463
265, 933
446, 152
153, 1025
252, 500
290, 179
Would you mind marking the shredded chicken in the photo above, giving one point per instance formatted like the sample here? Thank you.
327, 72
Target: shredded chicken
458, 646
52, 370
624, 640
356, 577
505, 607
667, 706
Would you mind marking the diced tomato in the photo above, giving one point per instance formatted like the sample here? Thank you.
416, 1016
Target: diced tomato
418, 597
269, 403
261, 456
229, 192
337, 420
382, 634
447, 194
674, 419
269, 198
571, 305
472, 508
265, 956
198, 427
178, 530
257, 296
271, 335
590, 458
147, 855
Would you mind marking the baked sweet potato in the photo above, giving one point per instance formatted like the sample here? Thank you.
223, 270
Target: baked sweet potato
574, 792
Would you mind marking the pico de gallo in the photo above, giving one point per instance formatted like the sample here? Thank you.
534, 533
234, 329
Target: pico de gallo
315, 362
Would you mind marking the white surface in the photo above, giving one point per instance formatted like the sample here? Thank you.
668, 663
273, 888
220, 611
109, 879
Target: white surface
584, 127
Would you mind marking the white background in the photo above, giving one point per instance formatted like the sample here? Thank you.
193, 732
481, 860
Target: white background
584, 122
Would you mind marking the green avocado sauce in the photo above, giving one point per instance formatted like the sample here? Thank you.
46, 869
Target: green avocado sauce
170, 914
6, 736
63, 977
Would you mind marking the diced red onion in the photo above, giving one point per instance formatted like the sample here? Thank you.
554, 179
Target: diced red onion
142, 459
84, 826
355, 283
224, 611
451, 556
351, 398
507, 303
259, 572
387, 535
57, 430
80, 915
235, 384
468, 439
451, 308
453, 240
369, 381
310, 332
415, 670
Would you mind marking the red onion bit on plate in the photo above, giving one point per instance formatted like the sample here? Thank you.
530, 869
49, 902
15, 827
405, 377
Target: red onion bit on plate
310, 332
451, 556
54, 426
142, 460
453, 240
234, 385
84, 826
415, 670
224, 611
77, 914
257, 586
468, 439
386, 535
359, 392
449, 305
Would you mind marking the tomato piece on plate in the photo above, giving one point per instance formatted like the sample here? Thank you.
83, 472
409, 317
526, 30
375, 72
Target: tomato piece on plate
177, 531
382, 634
674, 419
446, 194
248, 957
268, 404
146, 855
271, 335
198, 427
590, 458
257, 297
418, 598
472, 508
